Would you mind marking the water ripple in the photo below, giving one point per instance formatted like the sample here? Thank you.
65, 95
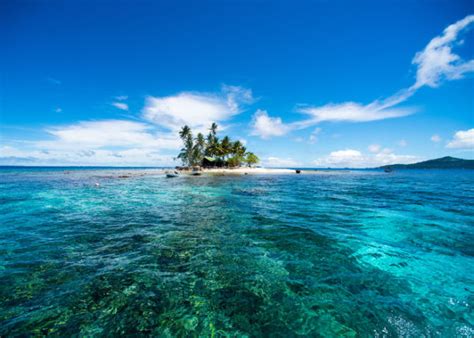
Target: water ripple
357, 254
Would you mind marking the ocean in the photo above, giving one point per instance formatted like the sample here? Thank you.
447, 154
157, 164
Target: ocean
350, 253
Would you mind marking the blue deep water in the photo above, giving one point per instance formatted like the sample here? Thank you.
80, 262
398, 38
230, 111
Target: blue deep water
363, 253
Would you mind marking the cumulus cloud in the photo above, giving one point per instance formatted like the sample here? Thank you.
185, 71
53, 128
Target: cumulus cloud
351, 158
463, 139
120, 105
197, 110
105, 142
277, 162
151, 141
133, 156
266, 126
106, 133
435, 138
341, 158
97, 134
437, 62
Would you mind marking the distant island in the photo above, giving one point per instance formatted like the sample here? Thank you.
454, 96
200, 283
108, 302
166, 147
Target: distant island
447, 162
210, 152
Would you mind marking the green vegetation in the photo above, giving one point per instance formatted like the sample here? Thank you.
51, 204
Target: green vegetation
211, 152
447, 162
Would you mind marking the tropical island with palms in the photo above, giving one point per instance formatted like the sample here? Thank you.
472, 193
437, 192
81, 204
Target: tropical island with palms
210, 152
214, 155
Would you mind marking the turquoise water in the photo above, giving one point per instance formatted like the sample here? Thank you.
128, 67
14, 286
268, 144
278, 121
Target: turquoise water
352, 254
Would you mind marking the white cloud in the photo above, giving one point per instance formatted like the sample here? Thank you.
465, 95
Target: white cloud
58, 110
374, 148
133, 156
278, 162
237, 96
106, 142
402, 143
351, 112
350, 158
120, 105
313, 138
385, 158
435, 138
344, 156
386, 151
266, 126
197, 110
463, 139
115, 133
125, 142
437, 62
98, 134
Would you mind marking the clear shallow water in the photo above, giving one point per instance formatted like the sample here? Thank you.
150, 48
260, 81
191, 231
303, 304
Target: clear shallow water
357, 254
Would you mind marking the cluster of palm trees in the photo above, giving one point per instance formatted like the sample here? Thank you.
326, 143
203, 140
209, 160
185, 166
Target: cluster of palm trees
210, 151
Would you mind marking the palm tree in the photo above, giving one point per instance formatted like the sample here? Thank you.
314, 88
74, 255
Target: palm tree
238, 148
212, 148
186, 154
224, 152
184, 132
189, 145
198, 149
213, 128
200, 141
226, 147
251, 159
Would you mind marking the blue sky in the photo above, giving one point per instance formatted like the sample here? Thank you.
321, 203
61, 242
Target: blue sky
302, 83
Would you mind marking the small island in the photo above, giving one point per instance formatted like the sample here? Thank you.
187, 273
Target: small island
210, 152
212, 155
446, 162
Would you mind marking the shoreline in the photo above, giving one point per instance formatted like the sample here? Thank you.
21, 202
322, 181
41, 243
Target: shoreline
124, 173
257, 171
246, 171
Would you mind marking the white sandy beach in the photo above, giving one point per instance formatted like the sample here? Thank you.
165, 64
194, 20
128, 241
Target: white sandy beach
248, 171
262, 171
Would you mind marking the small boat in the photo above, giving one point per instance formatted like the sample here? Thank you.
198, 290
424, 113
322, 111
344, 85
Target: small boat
388, 170
196, 171
173, 173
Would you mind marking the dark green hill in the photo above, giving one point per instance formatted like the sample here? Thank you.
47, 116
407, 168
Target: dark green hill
447, 162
